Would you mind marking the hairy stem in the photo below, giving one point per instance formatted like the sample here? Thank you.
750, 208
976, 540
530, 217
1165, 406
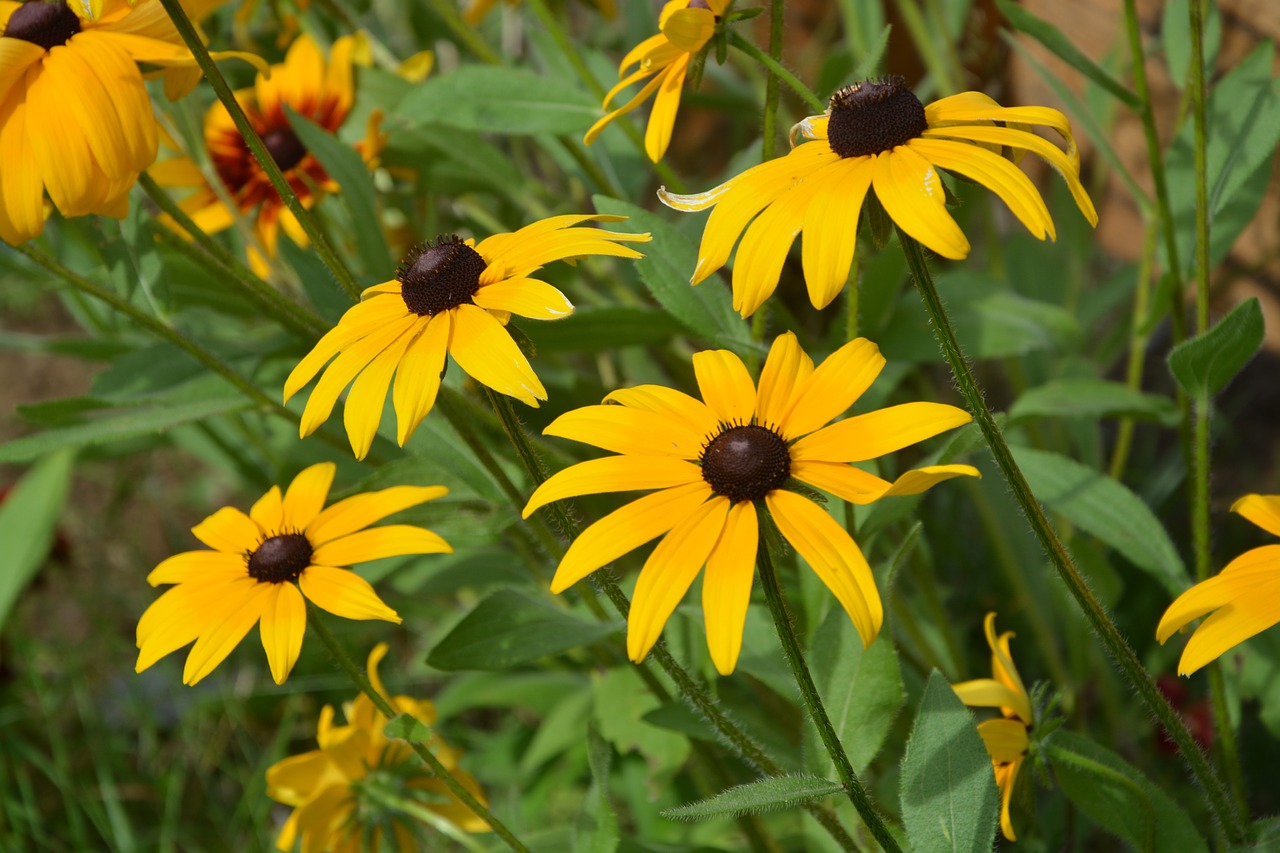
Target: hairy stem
777, 69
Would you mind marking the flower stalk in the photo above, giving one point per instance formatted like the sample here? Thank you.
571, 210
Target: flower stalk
259, 150
1118, 648
769, 141
776, 68
361, 681
782, 621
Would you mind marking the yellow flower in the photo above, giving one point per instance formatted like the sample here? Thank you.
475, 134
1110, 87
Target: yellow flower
875, 136
452, 296
714, 460
333, 789
687, 26
304, 82
263, 563
75, 118
1005, 737
477, 9
1245, 596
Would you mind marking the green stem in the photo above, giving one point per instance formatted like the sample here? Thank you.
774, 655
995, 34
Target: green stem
776, 68
1120, 650
1138, 337
732, 735
288, 312
813, 701
219, 83
361, 680
769, 144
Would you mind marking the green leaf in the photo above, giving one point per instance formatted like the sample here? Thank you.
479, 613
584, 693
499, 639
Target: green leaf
500, 100
1205, 364
1266, 837
28, 519
705, 310
508, 629
949, 795
1093, 398
130, 424
1119, 798
1060, 46
345, 165
1106, 509
773, 794
408, 727
1175, 38
597, 830
861, 688
621, 702
595, 329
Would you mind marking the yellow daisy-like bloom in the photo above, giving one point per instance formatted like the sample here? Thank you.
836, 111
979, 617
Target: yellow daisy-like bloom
875, 136
75, 117
452, 296
1244, 597
313, 88
332, 789
263, 563
687, 26
477, 9
1006, 738
716, 459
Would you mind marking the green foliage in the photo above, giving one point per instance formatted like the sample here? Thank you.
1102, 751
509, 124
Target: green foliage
505, 100
778, 792
1205, 364
28, 523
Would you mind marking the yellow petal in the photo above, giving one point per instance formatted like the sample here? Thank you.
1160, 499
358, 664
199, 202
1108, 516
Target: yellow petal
418, 376
1002, 667
292, 780
689, 29
284, 621
1006, 779
989, 693
1262, 510
833, 556
359, 511
725, 386
726, 586
358, 322
526, 297
196, 565
996, 174
362, 412
1006, 740
22, 189
613, 474
1230, 626
178, 617
662, 118
669, 572
225, 632
674, 405
267, 511
524, 246
346, 367
485, 350
919, 480
75, 183
626, 529
912, 194
16, 56
110, 102
834, 386
1241, 580
392, 540
831, 230
344, 593
176, 172
625, 430
844, 481
786, 367
306, 495
229, 530
876, 433
639, 98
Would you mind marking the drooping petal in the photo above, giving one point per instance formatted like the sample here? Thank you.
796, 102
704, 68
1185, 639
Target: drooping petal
726, 585
842, 480
725, 386
669, 572
22, 190
284, 621
359, 511
362, 413
831, 230
912, 194
485, 350
360, 321
345, 368
996, 174
919, 480
1262, 510
625, 430
662, 118
1242, 579
1006, 740
639, 98
526, 297
613, 474
833, 556
306, 495
109, 100
225, 631
786, 367
877, 433
626, 529
675, 405
1007, 779
375, 543
689, 29
1002, 666
229, 530
834, 386
1231, 625
344, 593
295, 778
989, 693
419, 374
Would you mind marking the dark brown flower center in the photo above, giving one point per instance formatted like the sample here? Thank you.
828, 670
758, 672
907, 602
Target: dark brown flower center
441, 275
280, 558
744, 463
45, 24
874, 116
284, 147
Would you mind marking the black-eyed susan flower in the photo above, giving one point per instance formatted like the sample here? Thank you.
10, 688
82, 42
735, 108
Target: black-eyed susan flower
1005, 737
475, 10
1244, 598
717, 461
263, 563
877, 137
320, 91
686, 27
347, 791
451, 296
75, 117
